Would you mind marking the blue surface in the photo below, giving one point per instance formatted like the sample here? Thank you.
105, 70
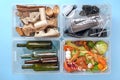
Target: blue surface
6, 42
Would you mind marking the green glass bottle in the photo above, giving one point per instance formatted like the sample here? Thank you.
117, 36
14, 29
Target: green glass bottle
36, 45
39, 54
39, 67
42, 60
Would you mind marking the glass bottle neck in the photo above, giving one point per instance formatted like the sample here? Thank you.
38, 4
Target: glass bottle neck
32, 61
21, 45
27, 66
24, 56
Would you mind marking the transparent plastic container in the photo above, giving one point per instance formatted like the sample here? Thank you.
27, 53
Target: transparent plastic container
17, 22
18, 61
107, 56
63, 24
71, 21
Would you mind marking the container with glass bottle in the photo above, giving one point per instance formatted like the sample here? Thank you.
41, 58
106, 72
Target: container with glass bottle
36, 55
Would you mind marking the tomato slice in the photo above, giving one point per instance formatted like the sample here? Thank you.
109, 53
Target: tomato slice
81, 62
67, 68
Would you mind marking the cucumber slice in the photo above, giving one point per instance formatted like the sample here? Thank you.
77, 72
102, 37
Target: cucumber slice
101, 47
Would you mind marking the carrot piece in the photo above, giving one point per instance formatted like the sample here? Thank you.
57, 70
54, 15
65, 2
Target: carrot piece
104, 68
100, 66
102, 60
75, 56
90, 53
66, 47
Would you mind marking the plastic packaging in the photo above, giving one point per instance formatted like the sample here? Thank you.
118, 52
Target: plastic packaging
89, 20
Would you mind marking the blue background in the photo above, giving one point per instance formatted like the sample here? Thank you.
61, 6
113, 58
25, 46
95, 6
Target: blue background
6, 42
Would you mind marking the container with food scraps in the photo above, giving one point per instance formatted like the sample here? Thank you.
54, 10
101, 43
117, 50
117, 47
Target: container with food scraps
86, 56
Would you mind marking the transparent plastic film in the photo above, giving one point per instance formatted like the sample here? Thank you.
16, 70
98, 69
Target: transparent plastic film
87, 21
